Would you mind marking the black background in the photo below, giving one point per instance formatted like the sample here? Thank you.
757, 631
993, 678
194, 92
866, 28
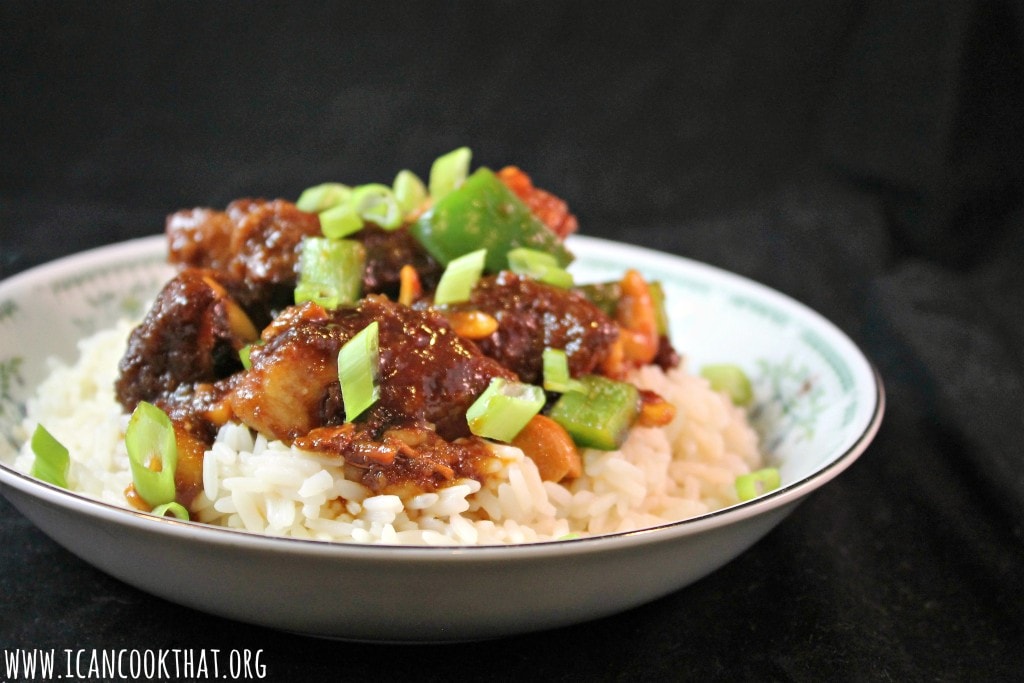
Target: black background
863, 157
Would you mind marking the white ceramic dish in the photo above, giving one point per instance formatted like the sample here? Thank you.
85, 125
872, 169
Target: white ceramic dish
819, 404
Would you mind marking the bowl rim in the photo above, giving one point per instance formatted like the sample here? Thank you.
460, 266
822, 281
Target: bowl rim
145, 250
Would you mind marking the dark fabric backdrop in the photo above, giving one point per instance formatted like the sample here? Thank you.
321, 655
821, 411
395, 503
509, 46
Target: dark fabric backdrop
865, 157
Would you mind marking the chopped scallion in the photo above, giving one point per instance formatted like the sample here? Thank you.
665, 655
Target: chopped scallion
330, 271
504, 408
732, 380
754, 484
449, 171
539, 265
371, 202
52, 459
176, 509
660, 313
243, 355
459, 278
321, 197
410, 192
152, 453
556, 372
357, 371
376, 203
340, 221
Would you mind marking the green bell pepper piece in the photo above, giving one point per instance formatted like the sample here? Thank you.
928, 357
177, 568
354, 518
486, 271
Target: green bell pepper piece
599, 416
483, 213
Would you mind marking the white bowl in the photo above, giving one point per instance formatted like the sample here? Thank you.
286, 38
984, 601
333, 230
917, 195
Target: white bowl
819, 403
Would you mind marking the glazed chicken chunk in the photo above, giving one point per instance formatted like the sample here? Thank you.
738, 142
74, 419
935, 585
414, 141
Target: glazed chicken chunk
426, 372
191, 335
533, 316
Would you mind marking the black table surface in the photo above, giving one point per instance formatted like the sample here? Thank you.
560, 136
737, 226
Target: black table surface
864, 157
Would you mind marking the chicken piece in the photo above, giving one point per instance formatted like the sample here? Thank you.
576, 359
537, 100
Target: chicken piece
255, 243
266, 240
402, 460
533, 316
192, 334
200, 238
387, 251
426, 372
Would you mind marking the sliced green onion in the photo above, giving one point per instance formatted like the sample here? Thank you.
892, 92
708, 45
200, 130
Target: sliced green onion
176, 509
754, 484
600, 416
340, 221
410, 192
371, 202
243, 355
376, 203
357, 371
449, 171
459, 278
556, 372
152, 453
660, 313
539, 265
320, 197
504, 408
732, 380
52, 460
330, 272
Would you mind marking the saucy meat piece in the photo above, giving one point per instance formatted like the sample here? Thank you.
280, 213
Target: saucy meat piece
282, 393
402, 459
254, 239
387, 251
255, 242
533, 316
266, 240
667, 356
426, 372
192, 334
200, 237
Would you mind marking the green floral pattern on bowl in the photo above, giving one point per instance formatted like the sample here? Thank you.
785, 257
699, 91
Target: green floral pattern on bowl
44, 312
814, 392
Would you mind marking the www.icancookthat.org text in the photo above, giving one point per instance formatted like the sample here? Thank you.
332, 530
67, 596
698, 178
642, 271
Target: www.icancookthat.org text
39, 664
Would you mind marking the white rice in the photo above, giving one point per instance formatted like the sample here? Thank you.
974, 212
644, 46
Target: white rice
659, 475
